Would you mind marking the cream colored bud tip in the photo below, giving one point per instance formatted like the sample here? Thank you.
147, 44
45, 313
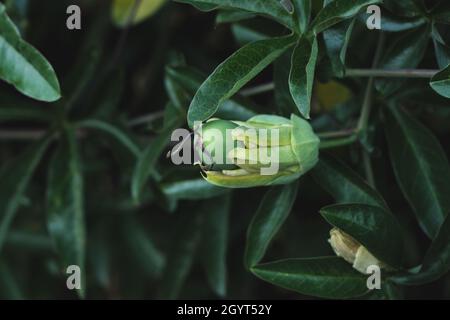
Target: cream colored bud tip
352, 251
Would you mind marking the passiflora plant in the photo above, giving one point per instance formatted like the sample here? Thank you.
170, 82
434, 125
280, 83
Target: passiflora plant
366, 232
356, 121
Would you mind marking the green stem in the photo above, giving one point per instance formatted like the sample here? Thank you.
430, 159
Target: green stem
365, 112
340, 142
366, 107
367, 103
336, 134
253, 91
379, 73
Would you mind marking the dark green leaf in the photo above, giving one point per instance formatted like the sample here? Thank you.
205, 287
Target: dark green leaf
247, 33
336, 42
405, 53
442, 50
285, 104
394, 23
301, 78
441, 82
421, 169
181, 255
32, 241
441, 12
108, 97
388, 291
79, 82
200, 5
326, 277
233, 74
9, 286
269, 8
236, 109
179, 96
15, 178
302, 14
215, 242
372, 226
437, 260
195, 189
190, 80
337, 11
115, 132
272, 213
229, 16
345, 185
406, 8
23, 66
143, 248
147, 161
65, 205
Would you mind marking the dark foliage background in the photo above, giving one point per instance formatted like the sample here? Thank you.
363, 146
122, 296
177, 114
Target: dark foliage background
155, 230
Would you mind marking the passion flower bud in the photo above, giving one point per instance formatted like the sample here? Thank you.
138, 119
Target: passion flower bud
212, 145
265, 150
352, 251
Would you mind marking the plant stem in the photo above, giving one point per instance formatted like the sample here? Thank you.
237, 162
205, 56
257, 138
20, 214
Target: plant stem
379, 73
337, 134
365, 113
146, 119
258, 89
22, 134
366, 107
334, 143
36, 134
367, 103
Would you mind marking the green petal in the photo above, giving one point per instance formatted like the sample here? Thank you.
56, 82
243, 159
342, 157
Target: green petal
305, 143
252, 179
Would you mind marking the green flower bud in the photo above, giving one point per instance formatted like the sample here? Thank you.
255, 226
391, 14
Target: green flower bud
265, 150
213, 135
352, 251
